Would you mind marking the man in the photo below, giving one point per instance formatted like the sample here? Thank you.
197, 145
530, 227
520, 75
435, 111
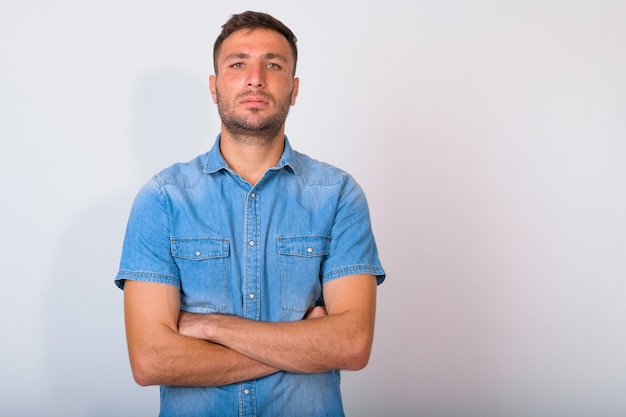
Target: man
250, 273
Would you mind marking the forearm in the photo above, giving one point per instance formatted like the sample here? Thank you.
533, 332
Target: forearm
306, 346
160, 355
340, 339
184, 361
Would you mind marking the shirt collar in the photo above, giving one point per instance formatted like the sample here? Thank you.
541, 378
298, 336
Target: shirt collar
215, 161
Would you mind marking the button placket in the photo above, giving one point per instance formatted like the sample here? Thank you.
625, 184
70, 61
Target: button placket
251, 280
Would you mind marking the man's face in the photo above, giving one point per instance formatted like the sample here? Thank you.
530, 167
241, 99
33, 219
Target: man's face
254, 86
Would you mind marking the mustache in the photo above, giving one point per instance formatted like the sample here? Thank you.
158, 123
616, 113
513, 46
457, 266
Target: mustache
256, 93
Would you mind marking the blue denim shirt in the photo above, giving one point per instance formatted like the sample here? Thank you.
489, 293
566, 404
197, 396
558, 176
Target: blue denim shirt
261, 252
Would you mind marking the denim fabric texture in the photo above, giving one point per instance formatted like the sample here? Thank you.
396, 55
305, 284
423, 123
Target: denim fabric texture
262, 252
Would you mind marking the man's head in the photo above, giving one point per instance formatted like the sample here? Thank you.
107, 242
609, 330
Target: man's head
254, 20
254, 83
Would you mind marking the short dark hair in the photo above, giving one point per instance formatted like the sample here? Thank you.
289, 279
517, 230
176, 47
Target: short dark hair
254, 20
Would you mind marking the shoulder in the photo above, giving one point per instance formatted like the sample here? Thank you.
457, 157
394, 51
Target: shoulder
314, 172
182, 174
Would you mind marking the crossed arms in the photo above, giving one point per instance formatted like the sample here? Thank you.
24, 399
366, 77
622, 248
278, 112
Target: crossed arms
167, 347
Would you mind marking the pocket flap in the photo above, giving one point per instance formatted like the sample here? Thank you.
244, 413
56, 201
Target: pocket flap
199, 248
306, 245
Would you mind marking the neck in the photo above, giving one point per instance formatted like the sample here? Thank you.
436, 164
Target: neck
251, 157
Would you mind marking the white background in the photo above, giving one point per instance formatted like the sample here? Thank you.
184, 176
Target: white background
490, 138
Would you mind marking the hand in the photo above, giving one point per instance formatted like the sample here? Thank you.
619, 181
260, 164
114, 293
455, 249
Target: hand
315, 312
193, 325
203, 326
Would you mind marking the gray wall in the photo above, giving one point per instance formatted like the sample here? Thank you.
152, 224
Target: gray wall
490, 138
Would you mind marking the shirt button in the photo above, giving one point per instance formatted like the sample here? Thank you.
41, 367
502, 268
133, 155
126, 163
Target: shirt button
246, 391
252, 195
309, 250
251, 296
251, 243
198, 253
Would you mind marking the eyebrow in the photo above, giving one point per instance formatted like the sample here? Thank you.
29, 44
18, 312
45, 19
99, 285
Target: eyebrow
243, 55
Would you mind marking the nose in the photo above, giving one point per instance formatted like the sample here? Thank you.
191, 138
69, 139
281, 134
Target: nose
256, 76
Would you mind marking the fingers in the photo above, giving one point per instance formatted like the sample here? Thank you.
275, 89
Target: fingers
315, 312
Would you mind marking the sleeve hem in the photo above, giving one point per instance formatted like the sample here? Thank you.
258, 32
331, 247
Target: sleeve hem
375, 270
145, 276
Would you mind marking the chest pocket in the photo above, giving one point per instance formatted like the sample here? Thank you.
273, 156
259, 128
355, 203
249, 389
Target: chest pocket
203, 266
300, 263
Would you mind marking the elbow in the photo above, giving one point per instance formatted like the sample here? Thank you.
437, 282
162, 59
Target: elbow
143, 379
357, 348
358, 356
143, 370
357, 362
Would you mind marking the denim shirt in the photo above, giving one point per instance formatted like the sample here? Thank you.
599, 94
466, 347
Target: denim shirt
261, 252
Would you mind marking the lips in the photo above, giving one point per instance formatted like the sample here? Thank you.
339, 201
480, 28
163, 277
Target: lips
255, 97
255, 100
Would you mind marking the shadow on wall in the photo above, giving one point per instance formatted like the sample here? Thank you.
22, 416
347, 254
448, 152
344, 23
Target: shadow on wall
88, 373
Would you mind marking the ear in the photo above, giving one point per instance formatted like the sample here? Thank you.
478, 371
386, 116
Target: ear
294, 94
213, 88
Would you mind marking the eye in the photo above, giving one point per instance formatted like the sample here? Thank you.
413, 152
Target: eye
273, 65
237, 65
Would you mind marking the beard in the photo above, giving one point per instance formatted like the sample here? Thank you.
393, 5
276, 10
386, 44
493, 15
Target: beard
252, 128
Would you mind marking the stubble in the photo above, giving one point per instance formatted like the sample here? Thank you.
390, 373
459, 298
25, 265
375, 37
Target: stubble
252, 128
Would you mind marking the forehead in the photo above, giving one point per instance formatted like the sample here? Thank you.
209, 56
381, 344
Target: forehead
255, 42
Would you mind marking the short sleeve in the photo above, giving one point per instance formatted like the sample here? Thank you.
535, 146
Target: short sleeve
352, 245
146, 252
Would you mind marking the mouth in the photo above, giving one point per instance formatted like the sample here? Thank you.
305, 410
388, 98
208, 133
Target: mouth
255, 104
255, 98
